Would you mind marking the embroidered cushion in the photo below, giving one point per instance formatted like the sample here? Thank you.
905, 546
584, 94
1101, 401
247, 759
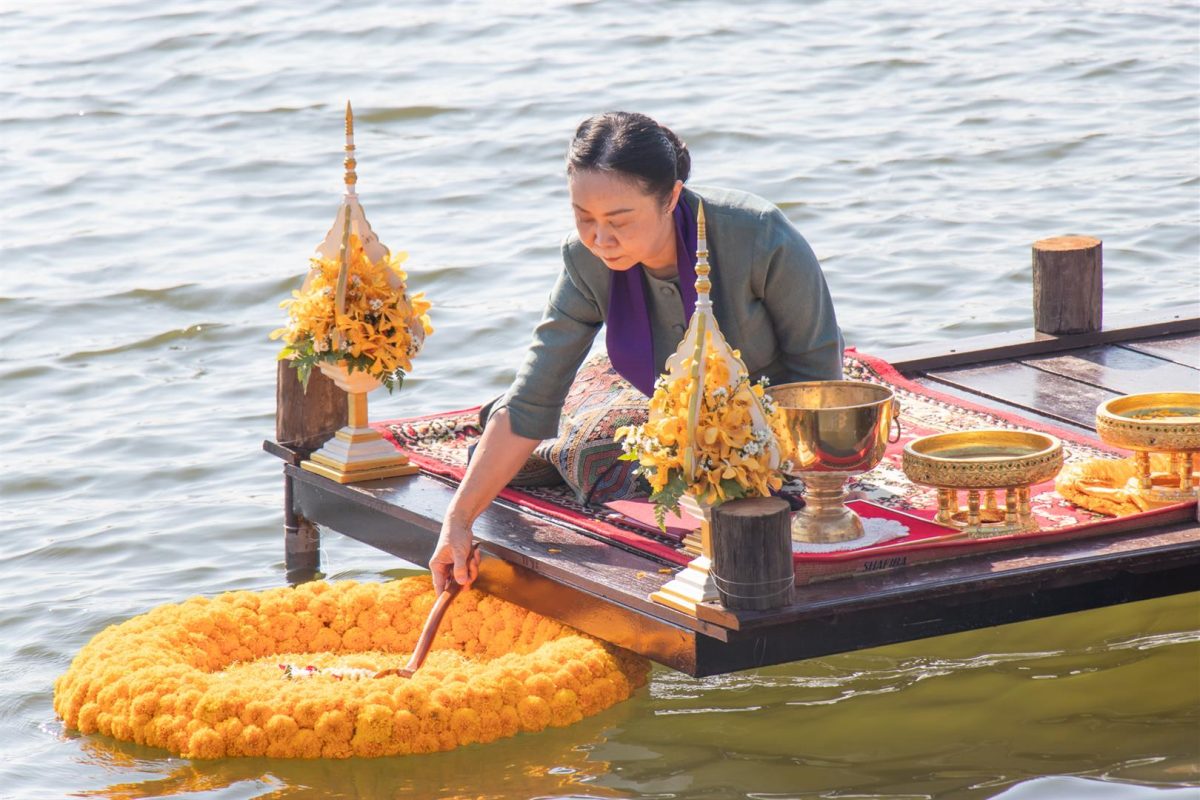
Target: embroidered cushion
584, 452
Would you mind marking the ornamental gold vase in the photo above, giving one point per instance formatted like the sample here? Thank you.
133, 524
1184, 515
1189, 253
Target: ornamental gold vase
835, 430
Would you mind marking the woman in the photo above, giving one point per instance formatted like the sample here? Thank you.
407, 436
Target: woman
630, 266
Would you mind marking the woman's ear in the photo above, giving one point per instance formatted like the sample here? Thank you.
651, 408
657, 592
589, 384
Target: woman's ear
674, 201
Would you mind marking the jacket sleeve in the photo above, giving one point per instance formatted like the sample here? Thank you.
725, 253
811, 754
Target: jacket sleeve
797, 298
560, 343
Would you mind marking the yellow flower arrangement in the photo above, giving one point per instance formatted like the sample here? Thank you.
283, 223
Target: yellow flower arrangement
729, 458
379, 333
202, 678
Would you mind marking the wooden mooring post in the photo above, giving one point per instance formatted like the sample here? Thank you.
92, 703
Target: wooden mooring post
1068, 286
303, 421
752, 553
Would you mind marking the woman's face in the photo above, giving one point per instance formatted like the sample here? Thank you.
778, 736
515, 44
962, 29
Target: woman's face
621, 224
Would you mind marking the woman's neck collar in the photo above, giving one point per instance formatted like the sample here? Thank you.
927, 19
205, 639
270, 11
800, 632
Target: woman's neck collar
662, 273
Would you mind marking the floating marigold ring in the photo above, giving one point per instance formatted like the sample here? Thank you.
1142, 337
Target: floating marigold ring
202, 678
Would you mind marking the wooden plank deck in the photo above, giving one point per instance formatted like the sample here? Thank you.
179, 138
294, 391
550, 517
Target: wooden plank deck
602, 589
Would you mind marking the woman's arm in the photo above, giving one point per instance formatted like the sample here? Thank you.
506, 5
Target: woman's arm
498, 457
525, 416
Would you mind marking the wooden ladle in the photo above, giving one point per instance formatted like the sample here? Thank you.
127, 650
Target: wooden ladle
432, 622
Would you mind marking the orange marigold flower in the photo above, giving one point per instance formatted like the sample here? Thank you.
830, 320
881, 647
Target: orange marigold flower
281, 728
465, 724
252, 741
534, 713
305, 744
334, 726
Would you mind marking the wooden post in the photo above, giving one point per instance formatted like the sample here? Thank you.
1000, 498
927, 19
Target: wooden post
301, 541
1068, 291
303, 421
752, 553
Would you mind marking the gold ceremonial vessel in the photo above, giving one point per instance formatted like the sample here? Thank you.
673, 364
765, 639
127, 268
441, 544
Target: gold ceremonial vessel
982, 462
836, 429
1157, 422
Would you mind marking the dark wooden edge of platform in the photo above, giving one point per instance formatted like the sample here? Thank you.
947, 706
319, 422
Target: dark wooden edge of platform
1119, 548
1016, 344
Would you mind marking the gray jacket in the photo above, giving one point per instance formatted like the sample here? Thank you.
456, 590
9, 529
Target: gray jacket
769, 297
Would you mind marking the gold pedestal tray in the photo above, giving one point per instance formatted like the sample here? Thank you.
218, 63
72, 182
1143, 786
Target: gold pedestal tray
1156, 422
357, 452
836, 429
982, 463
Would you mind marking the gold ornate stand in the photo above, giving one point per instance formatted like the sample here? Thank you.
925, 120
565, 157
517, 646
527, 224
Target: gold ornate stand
825, 517
1157, 422
694, 583
983, 519
357, 452
982, 463
837, 429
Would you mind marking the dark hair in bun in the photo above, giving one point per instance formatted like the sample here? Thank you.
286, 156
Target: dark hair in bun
634, 145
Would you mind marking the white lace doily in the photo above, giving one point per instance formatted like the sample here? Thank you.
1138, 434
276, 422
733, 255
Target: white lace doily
877, 531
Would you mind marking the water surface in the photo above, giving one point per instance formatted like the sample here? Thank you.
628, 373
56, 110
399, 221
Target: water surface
169, 167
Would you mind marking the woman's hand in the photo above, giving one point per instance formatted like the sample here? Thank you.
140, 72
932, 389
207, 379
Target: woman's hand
498, 456
453, 558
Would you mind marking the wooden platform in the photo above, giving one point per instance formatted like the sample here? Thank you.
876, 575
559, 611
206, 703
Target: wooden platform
599, 588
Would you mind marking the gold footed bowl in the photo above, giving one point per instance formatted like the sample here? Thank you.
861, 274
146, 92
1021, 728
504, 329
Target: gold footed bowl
835, 430
1156, 422
982, 463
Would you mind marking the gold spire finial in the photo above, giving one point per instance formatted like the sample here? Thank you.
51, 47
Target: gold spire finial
703, 284
351, 175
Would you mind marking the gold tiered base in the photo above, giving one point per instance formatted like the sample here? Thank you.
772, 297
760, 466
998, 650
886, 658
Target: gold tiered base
358, 452
691, 586
694, 583
982, 463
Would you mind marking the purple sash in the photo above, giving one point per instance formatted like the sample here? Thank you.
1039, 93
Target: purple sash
628, 338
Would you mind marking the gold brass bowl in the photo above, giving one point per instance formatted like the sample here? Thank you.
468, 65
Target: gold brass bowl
835, 429
1157, 422
982, 462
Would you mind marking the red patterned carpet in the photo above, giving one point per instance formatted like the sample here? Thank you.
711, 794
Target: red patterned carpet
439, 443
